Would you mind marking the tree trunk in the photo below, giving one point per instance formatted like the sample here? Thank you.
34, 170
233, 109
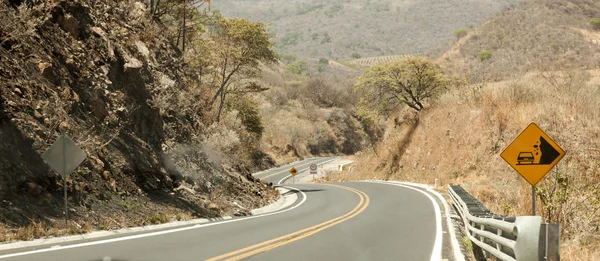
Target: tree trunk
184, 18
420, 105
221, 106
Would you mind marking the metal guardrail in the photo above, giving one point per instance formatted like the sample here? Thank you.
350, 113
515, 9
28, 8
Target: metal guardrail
522, 238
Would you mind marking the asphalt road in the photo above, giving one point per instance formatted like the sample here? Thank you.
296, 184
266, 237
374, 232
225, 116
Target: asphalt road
333, 221
282, 174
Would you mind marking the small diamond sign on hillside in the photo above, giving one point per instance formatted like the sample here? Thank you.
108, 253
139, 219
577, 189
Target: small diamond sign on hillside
64, 156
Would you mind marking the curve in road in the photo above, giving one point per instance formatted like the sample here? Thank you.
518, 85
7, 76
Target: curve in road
333, 221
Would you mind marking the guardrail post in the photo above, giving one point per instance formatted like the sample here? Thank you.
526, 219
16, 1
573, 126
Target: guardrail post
549, 242
499, 232
528, 240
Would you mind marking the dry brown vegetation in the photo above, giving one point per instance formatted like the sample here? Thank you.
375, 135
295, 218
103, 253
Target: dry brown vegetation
309, 116
534, 35
337, 29
459, 139
540, 65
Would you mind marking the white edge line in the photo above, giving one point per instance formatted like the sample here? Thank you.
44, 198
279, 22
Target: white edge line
112, 240
436, 254
458, 255
289, 175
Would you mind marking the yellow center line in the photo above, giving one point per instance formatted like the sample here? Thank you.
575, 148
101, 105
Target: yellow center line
283, 240
283, 171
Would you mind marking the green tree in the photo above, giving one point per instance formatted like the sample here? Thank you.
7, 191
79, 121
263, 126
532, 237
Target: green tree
288, 58
299, 67
385, 87
355, 56
326, 38
460, 33
249, 115
322, 64
239, 47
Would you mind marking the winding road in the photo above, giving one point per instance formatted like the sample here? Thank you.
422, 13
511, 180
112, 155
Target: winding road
328, 221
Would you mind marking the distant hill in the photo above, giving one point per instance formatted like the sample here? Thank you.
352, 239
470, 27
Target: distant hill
532, 36
341, 29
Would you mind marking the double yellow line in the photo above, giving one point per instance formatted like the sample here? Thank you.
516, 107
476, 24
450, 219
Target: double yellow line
289, 238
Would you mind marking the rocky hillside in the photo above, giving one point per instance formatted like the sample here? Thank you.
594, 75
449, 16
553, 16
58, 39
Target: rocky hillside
98, 72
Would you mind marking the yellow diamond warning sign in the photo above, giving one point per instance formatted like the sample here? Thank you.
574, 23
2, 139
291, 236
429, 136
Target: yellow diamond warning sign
533, 153
293, 171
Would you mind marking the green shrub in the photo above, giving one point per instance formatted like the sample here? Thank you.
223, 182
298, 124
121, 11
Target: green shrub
595, 22
298, 67
484, 55
326, 38
303, 8
460, 33
314, 36
291, 39
355, 56
288, 58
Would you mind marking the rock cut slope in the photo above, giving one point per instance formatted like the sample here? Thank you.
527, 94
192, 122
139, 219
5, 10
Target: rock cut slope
96, 72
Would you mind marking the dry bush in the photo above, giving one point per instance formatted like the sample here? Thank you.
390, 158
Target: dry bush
308, 116
18, 25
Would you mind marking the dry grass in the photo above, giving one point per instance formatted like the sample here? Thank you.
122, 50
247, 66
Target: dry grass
43, 229
458, 141
369, 28
576, 253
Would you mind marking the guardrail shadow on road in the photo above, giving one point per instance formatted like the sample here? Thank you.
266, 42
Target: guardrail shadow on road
311, 190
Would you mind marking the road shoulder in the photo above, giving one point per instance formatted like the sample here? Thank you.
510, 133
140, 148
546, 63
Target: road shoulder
451, 250
287, 198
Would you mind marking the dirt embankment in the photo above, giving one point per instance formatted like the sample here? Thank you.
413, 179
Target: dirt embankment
94, 72
543, 69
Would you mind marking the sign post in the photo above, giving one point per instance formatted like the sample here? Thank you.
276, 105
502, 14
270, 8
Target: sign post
313, 171
64, 156
533, 154
293, 171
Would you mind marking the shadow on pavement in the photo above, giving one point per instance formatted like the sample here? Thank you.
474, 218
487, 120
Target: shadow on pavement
311, 190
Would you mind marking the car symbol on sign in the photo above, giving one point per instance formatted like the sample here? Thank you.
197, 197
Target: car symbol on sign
525, 157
